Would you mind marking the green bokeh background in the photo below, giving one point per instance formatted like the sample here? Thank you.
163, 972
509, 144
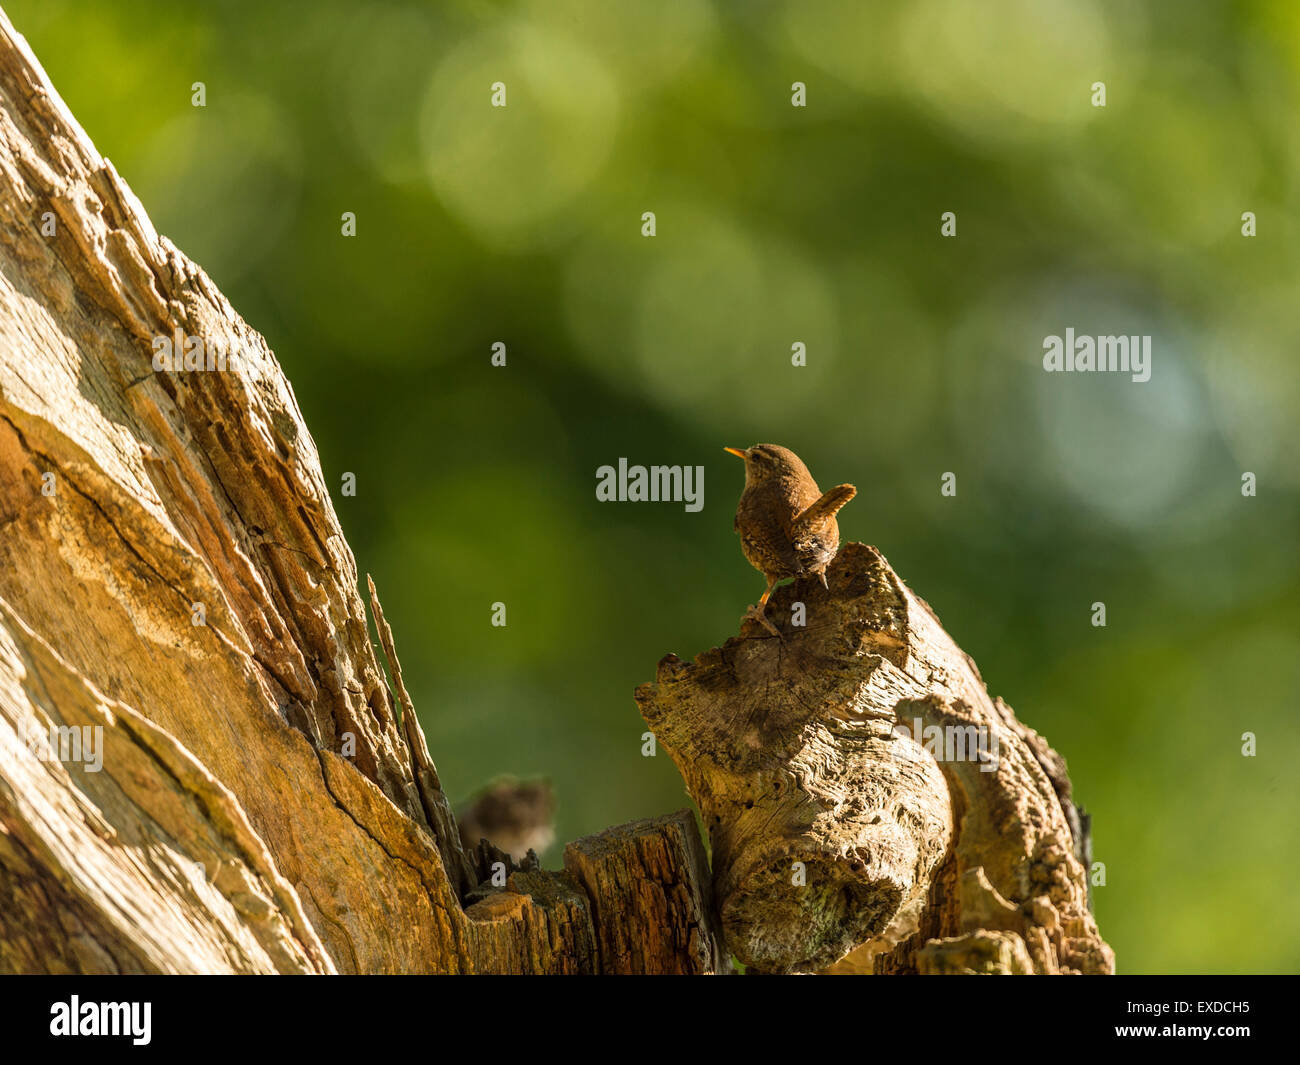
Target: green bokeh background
775, 225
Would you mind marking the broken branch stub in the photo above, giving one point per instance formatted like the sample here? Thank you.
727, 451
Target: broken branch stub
834, 818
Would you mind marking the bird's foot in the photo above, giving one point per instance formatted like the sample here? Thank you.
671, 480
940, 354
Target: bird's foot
759, 613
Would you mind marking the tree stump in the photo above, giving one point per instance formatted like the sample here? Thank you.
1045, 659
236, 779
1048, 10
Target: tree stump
862, 790
205, 767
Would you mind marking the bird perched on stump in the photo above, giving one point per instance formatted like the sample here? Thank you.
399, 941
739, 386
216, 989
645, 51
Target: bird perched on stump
787, 525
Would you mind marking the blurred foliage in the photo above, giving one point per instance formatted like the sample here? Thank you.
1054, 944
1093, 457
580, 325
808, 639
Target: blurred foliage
775, 225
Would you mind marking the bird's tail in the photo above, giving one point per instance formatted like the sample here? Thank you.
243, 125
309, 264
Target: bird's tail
826, 507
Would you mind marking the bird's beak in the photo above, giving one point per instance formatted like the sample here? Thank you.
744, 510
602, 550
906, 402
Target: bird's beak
734, 451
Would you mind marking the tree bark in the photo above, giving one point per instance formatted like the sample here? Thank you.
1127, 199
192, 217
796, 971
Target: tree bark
205, 768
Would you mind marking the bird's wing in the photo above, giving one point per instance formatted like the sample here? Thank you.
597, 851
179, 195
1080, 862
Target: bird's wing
826, 507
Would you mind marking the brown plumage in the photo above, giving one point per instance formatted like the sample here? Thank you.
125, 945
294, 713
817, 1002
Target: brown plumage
787, 525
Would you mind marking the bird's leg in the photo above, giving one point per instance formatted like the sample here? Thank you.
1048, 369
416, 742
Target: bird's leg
759, 612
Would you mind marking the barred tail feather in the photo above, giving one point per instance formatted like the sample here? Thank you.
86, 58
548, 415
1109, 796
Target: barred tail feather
827, 506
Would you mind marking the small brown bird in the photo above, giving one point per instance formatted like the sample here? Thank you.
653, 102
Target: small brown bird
787, 526
515, 815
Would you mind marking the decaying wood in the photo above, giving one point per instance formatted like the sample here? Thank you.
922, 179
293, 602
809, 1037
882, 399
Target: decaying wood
176, 588
835, 825
661, 864
173, 574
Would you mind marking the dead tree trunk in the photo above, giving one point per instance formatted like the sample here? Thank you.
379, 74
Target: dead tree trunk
204, 768
174, 581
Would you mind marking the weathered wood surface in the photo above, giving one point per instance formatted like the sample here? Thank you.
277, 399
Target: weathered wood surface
265, 803
667, 873
832, 827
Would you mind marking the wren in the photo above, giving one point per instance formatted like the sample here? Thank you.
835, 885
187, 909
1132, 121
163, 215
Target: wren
787, 525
